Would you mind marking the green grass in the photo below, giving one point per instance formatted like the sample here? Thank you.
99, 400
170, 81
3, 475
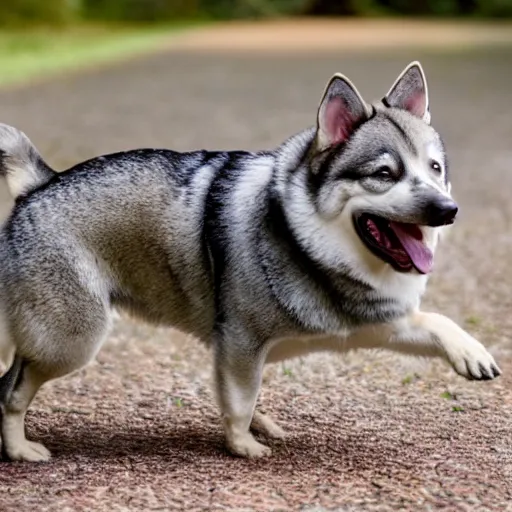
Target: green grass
29, 54
286, 371
178, 401
473, 320
408, 379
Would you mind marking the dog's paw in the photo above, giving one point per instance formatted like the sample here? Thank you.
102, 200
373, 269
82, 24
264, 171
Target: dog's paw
471, 359
247, 446
266, 426
28, 451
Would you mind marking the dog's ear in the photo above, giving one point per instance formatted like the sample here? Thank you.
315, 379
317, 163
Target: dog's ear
410, 92
341, 111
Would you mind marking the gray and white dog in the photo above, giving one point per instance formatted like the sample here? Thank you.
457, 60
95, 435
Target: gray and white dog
324, 243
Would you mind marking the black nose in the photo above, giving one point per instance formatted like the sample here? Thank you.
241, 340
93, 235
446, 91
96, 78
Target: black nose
441, 212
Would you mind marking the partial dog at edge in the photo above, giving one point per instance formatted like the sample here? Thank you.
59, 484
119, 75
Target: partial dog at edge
324, 243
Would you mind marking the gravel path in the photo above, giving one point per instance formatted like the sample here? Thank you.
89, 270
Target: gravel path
138, 430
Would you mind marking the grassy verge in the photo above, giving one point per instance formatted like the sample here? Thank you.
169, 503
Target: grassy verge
30, 54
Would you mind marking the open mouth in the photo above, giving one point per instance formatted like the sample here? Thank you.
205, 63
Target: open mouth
398, 243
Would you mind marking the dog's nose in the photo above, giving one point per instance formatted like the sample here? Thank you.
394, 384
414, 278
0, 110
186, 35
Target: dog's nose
442, 212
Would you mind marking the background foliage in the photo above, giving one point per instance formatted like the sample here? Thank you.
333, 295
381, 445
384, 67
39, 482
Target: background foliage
45, 12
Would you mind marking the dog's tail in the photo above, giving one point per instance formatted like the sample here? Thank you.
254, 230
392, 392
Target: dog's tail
21, 163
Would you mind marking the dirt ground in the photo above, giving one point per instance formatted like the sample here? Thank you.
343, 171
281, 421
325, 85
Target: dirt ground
138, 429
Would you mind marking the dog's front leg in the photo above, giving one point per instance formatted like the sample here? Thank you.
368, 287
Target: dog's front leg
434, 335
468, 356
238, 377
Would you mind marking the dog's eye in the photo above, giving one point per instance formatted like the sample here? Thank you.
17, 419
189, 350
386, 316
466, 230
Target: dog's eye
435, 166
384, 171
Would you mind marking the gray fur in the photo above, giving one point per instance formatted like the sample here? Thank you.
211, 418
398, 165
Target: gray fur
238, 249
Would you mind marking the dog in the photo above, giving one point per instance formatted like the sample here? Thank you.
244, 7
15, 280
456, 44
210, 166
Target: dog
324, 243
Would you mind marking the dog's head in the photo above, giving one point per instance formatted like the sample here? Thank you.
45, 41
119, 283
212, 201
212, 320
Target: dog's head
381, 170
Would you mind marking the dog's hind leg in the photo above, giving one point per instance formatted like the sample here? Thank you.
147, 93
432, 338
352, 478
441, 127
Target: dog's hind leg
50, 348
15, 446
32, 376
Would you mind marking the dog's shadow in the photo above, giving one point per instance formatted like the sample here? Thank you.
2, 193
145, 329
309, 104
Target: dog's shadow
197, 442
118, 441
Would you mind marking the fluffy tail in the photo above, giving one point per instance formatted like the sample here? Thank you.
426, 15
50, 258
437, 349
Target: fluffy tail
21, 163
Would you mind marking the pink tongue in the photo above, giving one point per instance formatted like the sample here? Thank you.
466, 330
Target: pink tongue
411, 238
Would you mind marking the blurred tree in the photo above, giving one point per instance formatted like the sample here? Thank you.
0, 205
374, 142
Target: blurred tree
140, 10
15, 12
250, 8
423, 7
342, 7
152, 10
487, 8
21, 12
494, 8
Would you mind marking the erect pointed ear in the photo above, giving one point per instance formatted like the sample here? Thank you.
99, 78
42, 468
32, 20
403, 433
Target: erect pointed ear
410, 92
341, 111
